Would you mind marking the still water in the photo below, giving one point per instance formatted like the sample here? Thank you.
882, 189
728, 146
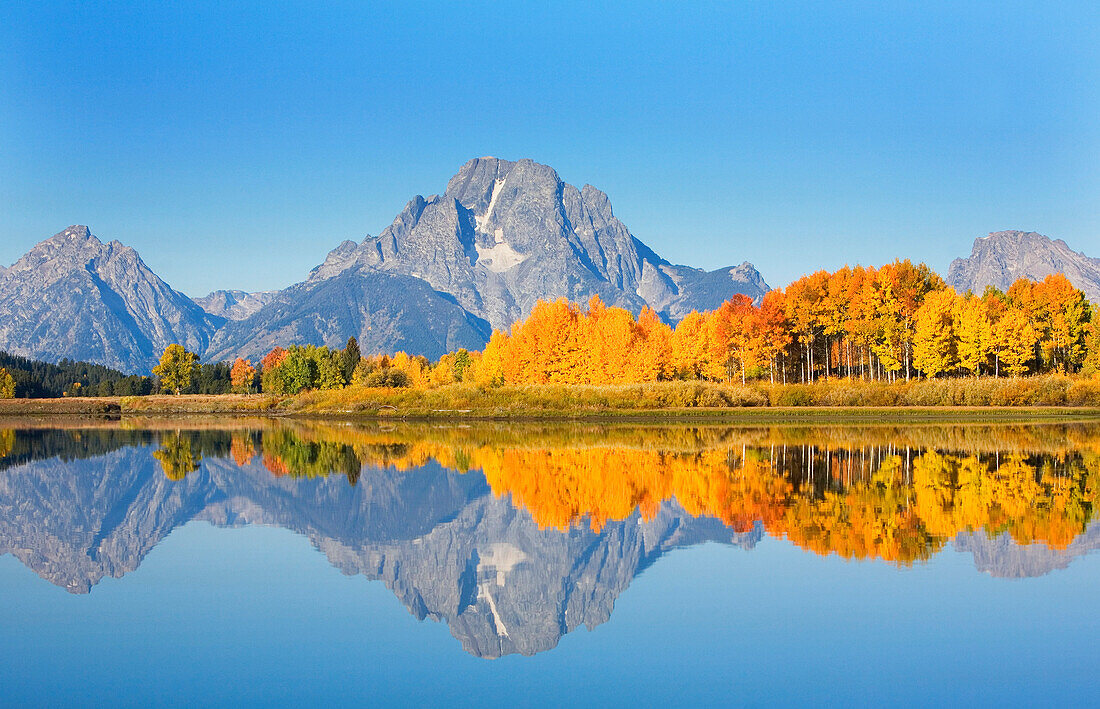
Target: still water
292, 563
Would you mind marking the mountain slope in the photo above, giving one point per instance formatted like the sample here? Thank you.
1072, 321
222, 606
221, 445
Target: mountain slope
506, 234
72, 296
385, 312
234, 304
449, 268
1004, 256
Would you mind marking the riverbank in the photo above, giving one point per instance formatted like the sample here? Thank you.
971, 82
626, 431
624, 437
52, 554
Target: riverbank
981, 399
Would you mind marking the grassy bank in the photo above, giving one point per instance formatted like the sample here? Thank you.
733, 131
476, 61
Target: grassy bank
971, 398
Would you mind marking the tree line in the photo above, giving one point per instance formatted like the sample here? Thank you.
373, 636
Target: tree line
890, 323
27, 378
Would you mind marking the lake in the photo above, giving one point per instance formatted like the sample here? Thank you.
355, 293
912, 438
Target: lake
260, 562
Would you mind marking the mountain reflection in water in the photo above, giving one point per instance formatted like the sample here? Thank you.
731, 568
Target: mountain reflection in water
515, 536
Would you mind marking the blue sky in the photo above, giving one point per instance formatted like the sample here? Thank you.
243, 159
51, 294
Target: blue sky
234, 146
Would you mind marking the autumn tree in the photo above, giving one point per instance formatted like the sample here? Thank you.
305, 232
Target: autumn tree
652, 352
802, 307
736, 343
270, 376
934, 339
7, 384
903, 289
772, 330
689, 346
176, 369
242, 376
1090, 365
1015, 339
973, 333
1064, 314
489, 369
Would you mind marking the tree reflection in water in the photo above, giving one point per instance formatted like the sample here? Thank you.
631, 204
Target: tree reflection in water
897, 494
516, 535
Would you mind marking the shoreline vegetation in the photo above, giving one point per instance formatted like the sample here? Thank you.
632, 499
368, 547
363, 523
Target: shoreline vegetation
1042, 396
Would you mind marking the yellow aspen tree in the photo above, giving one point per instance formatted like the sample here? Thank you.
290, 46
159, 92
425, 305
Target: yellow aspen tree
653, 351
489, 368
933, 333
1015, 340
973, 333
176, 369
1065, 311
689, 346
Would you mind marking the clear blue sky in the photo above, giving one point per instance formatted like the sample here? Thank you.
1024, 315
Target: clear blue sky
234, 146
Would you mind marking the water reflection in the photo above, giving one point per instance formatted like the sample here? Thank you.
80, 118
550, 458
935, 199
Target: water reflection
515, 536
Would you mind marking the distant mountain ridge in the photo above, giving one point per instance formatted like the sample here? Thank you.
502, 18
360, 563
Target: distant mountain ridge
448, 270
72, 296
234, 304
501, 237
1002, 257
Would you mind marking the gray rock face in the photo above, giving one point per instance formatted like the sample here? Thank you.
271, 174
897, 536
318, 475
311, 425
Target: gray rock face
505, 234
72, 296
1005, 256
450, 268
235, 304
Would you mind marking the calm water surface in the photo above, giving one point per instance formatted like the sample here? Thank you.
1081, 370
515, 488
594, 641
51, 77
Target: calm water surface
262, 562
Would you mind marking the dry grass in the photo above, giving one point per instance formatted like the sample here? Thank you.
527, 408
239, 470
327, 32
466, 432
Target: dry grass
858, 398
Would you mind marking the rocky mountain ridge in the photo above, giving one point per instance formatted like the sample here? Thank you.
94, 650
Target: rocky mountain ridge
502, 236
73, 296
234, 304
448, 270
1002, 257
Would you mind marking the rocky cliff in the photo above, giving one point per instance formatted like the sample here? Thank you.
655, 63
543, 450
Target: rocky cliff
72, 296
1002, 257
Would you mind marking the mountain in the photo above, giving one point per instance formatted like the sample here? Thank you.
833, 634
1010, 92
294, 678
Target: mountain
502, 236
234, 304
72, 296
385, 312
1004, 256
448, 270
505, 234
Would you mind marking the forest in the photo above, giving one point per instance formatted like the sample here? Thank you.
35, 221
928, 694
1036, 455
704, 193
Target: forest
28, 378
895, 323
31, 379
